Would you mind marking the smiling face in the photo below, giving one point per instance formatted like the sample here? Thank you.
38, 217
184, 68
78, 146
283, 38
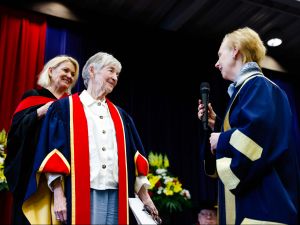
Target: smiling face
108, 76
103, 80
62, 76
226, 62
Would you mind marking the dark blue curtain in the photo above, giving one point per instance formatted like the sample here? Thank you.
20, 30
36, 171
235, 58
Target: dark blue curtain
62, 41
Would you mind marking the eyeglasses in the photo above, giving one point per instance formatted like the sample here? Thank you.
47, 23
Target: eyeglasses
154, 216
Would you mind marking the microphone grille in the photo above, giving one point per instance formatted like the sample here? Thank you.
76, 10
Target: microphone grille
204, 87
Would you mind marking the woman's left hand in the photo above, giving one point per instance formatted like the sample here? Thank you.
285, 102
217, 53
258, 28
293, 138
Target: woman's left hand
214, 138
149, 205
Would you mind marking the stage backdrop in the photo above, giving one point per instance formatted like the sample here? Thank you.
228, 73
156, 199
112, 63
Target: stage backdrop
159, 85
22, 45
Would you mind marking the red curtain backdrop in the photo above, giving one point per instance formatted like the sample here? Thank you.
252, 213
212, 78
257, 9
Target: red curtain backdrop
22, 49
22, 46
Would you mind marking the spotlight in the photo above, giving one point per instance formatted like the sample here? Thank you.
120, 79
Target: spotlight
274, 42
273, 37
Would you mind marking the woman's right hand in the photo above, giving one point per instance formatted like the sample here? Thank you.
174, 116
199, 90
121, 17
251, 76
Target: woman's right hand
211, 114
43, 109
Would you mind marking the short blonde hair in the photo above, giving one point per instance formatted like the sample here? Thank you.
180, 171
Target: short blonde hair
249, 44
99, 60
44, 78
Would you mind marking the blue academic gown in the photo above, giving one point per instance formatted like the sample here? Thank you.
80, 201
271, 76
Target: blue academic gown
63, 148
255, 158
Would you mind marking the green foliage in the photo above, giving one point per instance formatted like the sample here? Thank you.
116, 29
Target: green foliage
3, 141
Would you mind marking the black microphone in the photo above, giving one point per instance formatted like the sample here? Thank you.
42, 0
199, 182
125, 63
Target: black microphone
204, 92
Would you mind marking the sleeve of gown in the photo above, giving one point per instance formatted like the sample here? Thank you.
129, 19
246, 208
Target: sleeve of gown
258, 135
141, 162
21, 142
53, 145
52, 153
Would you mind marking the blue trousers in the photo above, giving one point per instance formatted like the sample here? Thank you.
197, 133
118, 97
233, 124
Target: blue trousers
104, 206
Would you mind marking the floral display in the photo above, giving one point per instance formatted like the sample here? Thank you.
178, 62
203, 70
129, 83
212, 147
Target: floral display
166, 190
3, 141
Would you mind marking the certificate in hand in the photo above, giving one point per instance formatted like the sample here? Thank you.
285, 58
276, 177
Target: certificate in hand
141, 216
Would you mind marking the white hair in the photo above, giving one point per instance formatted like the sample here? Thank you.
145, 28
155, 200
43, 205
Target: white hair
99, 60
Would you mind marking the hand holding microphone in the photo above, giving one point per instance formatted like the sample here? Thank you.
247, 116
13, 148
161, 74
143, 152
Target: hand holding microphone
205, 111
207, 115
211, 114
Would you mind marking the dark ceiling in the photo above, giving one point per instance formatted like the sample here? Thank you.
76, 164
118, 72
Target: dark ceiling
208, 18
213, 18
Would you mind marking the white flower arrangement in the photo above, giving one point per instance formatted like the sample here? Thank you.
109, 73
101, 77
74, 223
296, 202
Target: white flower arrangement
166, 190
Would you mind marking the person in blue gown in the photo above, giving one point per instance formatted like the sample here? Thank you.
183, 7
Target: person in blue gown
56, 79
255, 158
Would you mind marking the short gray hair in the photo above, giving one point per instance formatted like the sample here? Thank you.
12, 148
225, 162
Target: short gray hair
44, 78
99, 60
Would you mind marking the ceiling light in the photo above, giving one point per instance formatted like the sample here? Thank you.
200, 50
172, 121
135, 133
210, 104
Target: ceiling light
56, 9
274, 42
